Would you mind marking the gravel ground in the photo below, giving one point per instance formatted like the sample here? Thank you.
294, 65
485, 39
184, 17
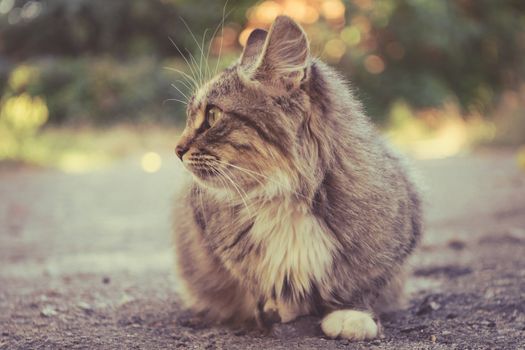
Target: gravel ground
85, 263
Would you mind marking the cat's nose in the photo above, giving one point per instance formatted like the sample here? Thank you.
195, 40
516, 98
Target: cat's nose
181, 150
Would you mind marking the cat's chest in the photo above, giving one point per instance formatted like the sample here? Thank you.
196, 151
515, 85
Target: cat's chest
282, 245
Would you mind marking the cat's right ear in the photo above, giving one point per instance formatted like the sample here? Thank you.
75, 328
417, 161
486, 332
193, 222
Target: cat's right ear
253, 48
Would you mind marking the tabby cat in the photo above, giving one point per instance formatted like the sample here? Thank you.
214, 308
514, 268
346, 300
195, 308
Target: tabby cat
297, 206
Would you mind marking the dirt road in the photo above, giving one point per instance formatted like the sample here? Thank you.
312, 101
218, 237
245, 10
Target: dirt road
85, 263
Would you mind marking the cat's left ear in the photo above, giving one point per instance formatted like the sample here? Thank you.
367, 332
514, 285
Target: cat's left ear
253, 48
285, 53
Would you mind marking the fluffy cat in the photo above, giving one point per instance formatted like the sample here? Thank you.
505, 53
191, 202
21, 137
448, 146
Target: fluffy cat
297, 205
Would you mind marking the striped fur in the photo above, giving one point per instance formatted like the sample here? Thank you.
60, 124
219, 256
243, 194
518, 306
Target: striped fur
297, 206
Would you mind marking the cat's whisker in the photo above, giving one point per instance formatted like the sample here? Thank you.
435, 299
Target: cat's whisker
253, 201
210, 43
180, 92
239, 190
185, 75
198, 46
222, 38
187, 63
195, 66
226, 185
174, 99
206, 67
242, 170
248, 171
183, 82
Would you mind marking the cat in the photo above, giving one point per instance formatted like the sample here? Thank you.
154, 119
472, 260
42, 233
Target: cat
297, 206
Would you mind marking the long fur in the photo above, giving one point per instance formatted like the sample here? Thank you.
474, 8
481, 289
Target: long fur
298, 205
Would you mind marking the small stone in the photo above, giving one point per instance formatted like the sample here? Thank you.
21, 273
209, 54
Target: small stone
433, 338
85, 306
446, 333
126, 298
48, 311
415, 328
106, 280
488, 323
427, 306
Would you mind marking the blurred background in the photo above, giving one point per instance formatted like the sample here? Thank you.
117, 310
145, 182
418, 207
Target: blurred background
85, 81
92, 99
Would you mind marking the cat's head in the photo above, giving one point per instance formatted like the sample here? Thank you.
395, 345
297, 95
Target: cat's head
245, 127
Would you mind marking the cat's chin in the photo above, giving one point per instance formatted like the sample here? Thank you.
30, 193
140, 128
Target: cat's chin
209, 182
220, 190
217, 189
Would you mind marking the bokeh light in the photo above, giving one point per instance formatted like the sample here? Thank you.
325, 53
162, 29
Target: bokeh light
335, 49
151, 162
6, 6
351, 35
333, 9
374, 64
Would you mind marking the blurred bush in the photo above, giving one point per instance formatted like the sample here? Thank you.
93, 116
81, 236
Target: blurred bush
99, 61
102, 91
20, 117
122, 28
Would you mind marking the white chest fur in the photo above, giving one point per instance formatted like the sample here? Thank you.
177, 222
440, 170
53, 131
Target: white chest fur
297, 248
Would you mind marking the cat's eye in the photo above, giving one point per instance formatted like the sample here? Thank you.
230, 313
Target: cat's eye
213, 114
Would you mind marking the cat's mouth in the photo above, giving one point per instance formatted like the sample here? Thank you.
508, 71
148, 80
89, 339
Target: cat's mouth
210, 171
213, 172
203, 167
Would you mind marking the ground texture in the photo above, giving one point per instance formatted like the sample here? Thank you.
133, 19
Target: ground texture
85, 263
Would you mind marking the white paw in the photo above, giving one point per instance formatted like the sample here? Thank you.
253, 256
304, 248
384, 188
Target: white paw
349, 324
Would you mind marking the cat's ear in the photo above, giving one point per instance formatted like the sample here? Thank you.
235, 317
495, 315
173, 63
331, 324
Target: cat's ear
285, 53
253, 48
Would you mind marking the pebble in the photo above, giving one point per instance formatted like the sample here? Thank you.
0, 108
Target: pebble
106, 280
427, 306
126, 298
433, 338
48, 311
84, 306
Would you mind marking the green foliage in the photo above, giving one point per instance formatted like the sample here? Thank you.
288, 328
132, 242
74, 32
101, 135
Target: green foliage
20, 118
116, 27
103, 90
101, 61
467, 50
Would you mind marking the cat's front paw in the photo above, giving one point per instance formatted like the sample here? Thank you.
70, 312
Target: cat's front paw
350, 324
267, 315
